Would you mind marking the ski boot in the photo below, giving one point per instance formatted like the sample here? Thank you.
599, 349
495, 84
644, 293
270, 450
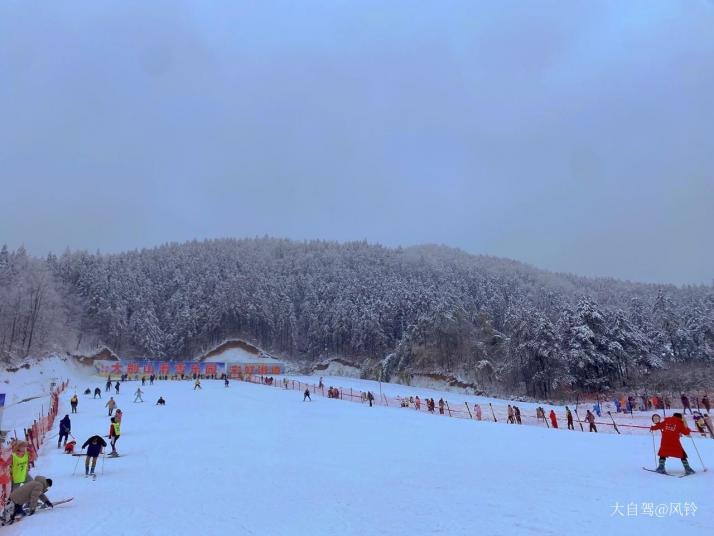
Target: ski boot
660, 467
687, 468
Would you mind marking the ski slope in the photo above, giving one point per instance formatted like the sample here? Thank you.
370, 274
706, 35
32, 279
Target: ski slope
255, 460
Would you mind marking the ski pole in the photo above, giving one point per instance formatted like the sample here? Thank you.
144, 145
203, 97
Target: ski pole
104, 457
614, 423
700, 456
654, 448
493, 413
75, 465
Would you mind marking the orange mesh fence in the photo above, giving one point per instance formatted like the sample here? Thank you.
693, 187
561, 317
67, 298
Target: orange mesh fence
34, 436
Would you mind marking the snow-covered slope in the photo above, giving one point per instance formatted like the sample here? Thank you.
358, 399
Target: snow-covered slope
27, 389
250, 459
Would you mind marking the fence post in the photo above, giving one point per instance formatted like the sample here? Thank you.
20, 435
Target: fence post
447, 407
467, 409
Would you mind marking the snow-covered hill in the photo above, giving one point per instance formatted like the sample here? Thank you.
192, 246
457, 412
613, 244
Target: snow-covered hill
250, 459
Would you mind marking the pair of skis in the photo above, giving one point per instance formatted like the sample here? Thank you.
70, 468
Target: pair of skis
667, 474
38, 510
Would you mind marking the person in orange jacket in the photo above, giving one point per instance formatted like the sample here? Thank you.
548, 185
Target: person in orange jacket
553, 419
670, 447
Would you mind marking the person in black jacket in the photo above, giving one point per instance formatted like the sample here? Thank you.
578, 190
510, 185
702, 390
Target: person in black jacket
95, 444
65, 429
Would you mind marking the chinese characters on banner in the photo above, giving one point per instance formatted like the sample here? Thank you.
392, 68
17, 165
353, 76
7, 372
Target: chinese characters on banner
145, 367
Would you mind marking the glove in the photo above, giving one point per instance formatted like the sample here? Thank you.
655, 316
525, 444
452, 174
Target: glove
48, 503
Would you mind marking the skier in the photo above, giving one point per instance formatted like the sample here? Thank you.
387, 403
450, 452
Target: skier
95, 444
137, 395
517, 413
569, 417
151, 379
708, 422
705, 402
111, 404
306, 395
118, 415
670, 446
225, 382
65, 429
114, 433
117, 387
160, 401
143, 380
417, 403
511, 419
370, 398
441, 406
478, 411
19, 464
554, 419
109, 383
97, 393
30, 493
197, 384
685, 404
87, 391
699, 423
73, 402
590, 418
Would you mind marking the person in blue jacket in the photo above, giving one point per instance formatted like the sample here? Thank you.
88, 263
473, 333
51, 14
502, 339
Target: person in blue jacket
65, 429
95, 444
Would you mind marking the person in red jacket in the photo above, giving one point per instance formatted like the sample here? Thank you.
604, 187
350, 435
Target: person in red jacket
672, 427
553, 419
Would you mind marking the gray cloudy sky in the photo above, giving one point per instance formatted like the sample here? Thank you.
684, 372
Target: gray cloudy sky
573, 135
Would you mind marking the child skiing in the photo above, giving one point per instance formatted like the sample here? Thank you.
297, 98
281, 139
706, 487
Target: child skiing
670, 447
137, 395
114, 433
117, 387
306, 395
160, 401
19, 464
97, 393
111, 404
197, 384
95, 444
73, 402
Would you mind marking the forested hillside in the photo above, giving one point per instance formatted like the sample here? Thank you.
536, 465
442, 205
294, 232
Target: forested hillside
419, 309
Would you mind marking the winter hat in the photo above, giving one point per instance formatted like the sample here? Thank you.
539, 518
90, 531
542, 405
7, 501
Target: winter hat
49, 482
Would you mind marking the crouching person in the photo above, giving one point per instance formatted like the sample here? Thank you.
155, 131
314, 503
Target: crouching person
30, 494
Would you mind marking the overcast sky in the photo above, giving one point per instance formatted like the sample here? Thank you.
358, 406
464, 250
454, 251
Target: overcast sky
577, 136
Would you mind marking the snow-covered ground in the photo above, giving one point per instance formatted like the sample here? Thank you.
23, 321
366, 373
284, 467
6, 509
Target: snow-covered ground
27, 391
251, 459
